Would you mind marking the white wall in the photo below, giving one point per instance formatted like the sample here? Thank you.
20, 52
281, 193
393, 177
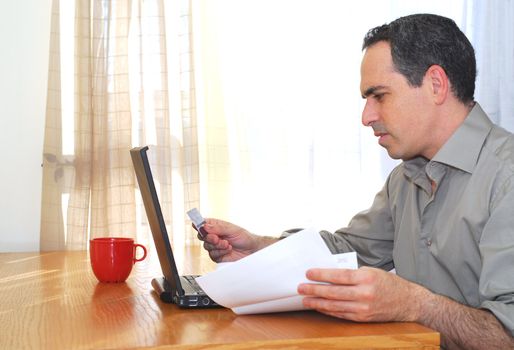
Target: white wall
24, 38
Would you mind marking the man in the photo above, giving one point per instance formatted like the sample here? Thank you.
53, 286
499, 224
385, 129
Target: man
445, 217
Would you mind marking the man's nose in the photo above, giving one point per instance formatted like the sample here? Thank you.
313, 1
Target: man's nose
369, 113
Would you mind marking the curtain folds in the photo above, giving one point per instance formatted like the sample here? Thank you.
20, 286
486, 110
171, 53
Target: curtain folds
52, 226
491, 29
120, 100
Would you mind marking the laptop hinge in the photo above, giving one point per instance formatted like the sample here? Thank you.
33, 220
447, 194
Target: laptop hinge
161, 287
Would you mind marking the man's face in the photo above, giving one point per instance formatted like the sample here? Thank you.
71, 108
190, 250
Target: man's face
398, 113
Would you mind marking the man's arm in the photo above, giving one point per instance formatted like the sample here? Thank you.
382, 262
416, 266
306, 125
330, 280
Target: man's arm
373, 295
462, 326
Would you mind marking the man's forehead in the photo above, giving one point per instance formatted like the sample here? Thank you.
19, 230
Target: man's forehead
380, 51
378, 57
377, 69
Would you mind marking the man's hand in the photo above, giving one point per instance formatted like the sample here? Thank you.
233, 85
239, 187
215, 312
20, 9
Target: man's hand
369, 294
363, 295
228, 242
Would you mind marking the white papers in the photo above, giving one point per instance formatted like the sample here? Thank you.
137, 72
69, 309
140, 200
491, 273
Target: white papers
267, 280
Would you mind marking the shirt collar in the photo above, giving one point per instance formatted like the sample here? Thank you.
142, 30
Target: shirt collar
463, 148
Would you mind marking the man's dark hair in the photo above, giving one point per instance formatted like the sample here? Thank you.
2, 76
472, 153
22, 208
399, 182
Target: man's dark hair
422, 40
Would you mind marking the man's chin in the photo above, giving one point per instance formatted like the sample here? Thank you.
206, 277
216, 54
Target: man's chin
394, 155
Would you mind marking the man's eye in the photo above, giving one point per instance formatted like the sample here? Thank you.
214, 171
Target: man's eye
378, 97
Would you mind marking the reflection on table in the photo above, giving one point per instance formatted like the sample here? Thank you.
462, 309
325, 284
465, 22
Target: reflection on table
53, 301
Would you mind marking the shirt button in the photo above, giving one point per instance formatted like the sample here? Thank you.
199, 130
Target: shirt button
428, 242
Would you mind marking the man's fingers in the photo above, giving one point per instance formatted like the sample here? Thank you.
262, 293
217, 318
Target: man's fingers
218, 254
334, 307
219, 250
221, 228
217, 226
333, 292
219, 245
336, 276
348, 310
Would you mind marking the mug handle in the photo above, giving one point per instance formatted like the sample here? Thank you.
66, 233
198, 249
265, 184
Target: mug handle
144, 252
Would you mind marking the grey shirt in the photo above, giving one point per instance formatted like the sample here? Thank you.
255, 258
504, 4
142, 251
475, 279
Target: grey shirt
457, 241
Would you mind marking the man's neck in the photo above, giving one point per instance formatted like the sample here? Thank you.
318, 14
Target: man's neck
449, 118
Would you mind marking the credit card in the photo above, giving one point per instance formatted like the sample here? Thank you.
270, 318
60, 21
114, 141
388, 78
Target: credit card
198, 221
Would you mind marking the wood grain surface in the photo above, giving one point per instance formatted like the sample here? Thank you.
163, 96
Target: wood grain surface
53, 301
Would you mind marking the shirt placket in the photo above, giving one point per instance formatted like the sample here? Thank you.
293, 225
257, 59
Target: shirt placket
434, 172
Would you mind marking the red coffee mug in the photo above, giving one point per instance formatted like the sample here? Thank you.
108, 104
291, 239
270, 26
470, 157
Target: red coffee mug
112, 258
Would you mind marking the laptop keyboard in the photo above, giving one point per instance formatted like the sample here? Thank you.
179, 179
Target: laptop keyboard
194, 285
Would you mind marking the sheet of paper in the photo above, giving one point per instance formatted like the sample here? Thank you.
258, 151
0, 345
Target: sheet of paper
267, 280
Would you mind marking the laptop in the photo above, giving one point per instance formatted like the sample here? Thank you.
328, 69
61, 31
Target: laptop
171, 288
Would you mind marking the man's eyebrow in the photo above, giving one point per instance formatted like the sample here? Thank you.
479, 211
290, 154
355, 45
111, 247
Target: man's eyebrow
372, 90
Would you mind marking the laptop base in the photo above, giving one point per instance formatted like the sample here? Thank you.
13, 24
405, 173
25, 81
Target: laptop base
162, 289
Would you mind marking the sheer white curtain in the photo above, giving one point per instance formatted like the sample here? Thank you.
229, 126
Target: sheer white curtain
279, 103
120, 76
491, 29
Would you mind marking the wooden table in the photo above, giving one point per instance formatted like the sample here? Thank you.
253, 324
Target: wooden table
53, 301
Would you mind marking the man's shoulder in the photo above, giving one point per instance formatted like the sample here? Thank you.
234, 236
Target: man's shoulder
500, 145
495, 165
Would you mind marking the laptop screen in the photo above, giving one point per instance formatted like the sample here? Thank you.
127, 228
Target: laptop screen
155, 218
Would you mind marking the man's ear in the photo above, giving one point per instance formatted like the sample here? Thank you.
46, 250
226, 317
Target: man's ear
438, 83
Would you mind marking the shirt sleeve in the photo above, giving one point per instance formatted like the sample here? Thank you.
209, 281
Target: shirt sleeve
370, 233
496, 284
